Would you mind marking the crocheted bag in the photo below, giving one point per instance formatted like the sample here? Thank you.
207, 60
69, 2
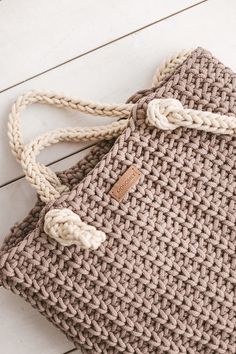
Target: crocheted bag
136, 253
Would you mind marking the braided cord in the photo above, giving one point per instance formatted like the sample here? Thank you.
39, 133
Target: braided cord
169, 114
61, 101
42, 178
168, 67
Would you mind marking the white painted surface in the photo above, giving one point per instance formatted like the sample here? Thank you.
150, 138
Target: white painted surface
38, 35
24, 330
110, 73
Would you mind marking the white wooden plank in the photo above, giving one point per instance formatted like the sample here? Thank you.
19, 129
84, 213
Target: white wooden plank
25, 331
21, 326
37, 35
116, 71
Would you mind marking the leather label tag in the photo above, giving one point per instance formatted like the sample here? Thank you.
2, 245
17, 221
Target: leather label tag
129, 179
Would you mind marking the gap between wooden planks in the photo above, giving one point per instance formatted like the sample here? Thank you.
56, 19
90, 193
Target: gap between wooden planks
37, 36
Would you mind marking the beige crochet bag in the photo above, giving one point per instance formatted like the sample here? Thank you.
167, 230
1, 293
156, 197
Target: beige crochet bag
133, 249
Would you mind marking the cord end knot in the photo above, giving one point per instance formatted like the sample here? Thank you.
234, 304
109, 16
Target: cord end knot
160, 110
67, 228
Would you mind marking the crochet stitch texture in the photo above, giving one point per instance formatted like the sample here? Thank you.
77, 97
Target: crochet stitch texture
164, 279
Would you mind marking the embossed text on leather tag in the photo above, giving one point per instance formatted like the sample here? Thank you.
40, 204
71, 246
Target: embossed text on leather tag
129, 179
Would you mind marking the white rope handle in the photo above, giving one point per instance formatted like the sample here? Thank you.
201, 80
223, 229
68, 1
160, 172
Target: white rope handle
44, 97
42, 178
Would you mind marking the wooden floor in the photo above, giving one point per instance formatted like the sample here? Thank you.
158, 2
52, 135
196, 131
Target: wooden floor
100, 50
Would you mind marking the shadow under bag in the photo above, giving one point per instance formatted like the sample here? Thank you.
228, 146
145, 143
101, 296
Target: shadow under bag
157, 208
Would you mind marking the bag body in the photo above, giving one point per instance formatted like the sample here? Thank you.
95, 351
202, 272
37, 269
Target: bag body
163, 281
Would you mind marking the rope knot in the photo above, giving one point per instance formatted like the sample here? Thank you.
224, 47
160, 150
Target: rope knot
67, 228
160, 111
